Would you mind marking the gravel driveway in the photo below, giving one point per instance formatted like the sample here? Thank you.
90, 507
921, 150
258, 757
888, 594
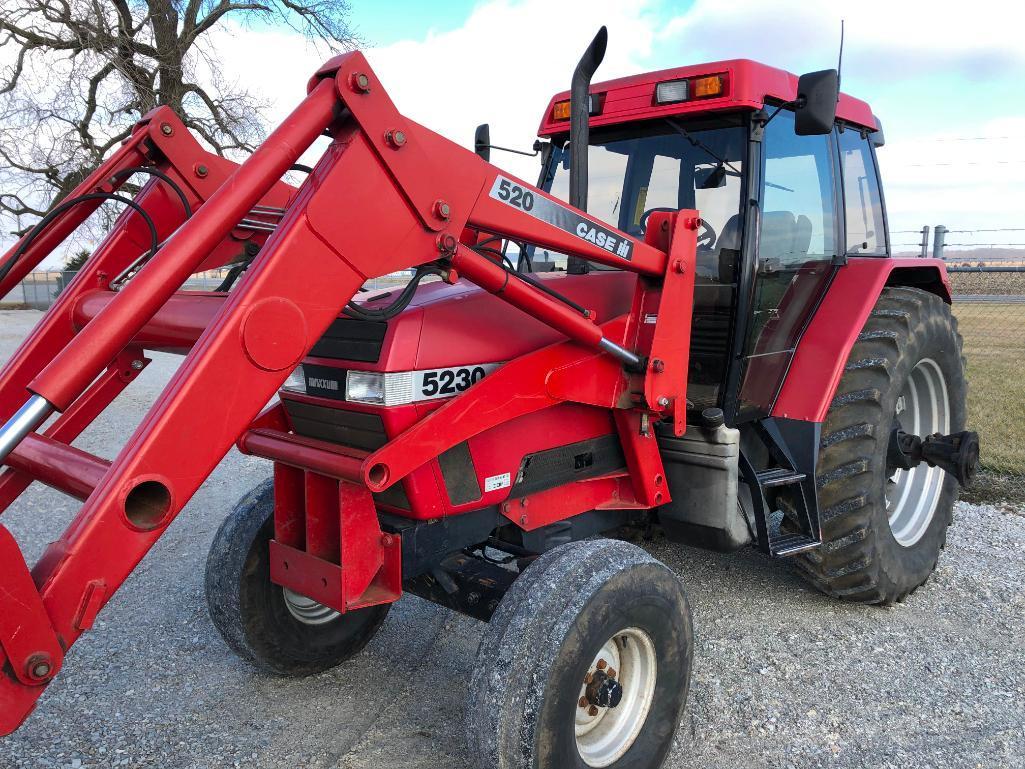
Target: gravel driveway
783, 677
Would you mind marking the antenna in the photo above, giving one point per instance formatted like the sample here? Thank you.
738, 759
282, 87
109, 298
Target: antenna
839, 62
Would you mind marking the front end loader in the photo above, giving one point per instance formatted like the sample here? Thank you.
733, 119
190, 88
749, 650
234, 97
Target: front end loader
710, 339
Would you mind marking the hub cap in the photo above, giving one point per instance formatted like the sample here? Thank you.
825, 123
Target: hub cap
912, 496
624, 666
306, 610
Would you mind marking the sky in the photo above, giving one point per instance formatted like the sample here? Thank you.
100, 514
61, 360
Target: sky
946, 80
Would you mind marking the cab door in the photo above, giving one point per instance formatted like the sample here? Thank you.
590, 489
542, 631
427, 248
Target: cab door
796, 255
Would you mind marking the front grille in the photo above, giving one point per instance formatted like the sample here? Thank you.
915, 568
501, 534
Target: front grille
351, 339
346, 428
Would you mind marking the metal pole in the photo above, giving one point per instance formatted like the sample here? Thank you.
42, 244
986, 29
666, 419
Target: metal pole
939, 238
925, 241
28, 418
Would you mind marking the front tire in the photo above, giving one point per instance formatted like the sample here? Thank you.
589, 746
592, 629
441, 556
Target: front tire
275, 630
883, 530
586, 663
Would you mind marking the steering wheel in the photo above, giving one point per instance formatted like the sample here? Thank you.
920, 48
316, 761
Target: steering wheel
707, 236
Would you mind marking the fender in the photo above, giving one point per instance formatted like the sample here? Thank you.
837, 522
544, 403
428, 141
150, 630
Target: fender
828, 340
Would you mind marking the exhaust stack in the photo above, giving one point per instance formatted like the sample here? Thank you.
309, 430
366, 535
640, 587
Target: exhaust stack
580, 129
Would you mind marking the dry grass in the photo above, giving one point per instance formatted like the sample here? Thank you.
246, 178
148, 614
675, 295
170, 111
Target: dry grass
994, 344
993, 283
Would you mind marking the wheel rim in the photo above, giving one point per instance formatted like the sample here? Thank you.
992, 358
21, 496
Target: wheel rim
306, 610
912, 496
604, 734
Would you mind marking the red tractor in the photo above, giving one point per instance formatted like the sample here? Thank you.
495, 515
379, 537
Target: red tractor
710, 339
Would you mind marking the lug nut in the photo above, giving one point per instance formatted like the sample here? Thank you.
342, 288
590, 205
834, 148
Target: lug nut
602, 664
442, 210
583, 702
588, 678
395, 137
593, 710
611, 672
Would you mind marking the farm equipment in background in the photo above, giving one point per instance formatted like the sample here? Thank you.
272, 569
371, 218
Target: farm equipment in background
711, 339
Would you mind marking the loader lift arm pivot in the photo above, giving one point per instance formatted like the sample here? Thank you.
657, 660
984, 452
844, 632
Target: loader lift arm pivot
373, 204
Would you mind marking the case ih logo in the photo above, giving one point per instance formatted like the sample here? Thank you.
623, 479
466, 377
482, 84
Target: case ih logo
512, 194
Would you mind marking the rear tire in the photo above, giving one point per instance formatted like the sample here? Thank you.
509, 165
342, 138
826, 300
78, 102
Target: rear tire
875, 550
529, 706
276, 631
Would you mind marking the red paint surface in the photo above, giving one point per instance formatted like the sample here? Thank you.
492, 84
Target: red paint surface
748, 84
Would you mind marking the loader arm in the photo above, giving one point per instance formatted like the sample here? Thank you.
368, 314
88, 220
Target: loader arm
376, 202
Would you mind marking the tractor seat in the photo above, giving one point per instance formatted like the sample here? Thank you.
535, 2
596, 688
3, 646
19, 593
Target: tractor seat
785, 237
717, 263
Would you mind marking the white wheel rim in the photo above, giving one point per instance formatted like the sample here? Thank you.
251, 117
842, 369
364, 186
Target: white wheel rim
603, 737
306, 610
912, 496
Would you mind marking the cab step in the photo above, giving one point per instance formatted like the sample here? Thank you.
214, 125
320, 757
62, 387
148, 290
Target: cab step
779, 476
786, 545
792, 473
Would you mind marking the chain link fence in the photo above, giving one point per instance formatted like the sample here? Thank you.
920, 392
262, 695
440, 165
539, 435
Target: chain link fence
40, 289
990, 308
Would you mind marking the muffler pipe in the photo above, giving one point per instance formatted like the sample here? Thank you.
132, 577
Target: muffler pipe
26, 420
580, 129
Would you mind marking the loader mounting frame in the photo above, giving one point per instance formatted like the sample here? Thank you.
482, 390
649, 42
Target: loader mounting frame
376, 202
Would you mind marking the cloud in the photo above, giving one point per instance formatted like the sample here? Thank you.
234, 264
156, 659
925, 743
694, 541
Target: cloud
889, 40
501, 66
507, 59
934, 72
962, 182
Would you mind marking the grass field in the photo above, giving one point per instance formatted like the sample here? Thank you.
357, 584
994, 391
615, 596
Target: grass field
994, 344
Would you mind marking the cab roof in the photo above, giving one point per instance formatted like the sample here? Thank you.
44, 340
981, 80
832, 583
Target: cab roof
747, 85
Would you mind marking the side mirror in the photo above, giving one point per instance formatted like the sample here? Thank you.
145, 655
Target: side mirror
482, 142
876, 137
817, 94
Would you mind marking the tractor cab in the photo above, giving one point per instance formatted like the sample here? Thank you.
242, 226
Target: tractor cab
783, 173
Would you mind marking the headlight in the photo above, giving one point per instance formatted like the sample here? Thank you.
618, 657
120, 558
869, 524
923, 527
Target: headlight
392, 389
296, 381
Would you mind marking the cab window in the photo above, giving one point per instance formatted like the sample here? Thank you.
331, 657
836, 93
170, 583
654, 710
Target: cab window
866, 233
798, 199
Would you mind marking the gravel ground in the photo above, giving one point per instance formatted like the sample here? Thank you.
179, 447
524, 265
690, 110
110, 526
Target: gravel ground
783, 677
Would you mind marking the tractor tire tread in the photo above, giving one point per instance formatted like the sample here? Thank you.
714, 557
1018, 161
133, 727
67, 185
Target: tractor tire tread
859, 560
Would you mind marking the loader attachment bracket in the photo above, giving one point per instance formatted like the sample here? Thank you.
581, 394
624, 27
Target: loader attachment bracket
26, 635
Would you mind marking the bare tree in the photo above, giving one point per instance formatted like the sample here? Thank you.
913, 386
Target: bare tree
75, 75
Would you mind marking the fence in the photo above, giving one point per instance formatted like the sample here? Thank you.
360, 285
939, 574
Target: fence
40, 289
990, 309
989, 306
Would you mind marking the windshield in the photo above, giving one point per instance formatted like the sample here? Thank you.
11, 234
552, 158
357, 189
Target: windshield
663, 166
